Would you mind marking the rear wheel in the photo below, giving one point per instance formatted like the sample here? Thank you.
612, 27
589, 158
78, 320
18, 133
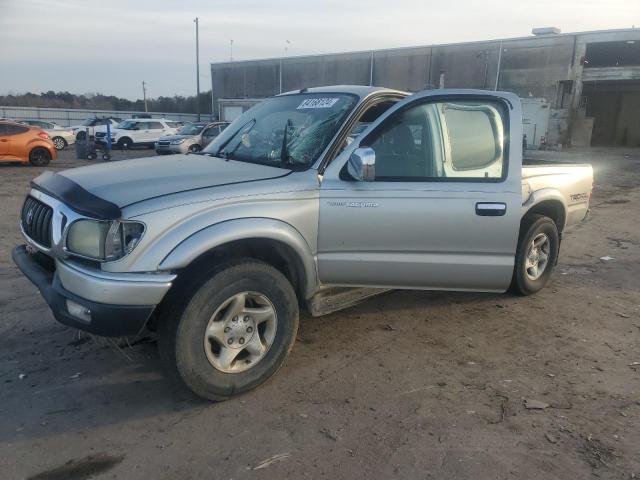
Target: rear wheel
81, 136
234, 332
194, 148
39, 157
536, 255
59, 142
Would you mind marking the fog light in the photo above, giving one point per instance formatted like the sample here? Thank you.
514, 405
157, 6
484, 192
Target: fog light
79, 311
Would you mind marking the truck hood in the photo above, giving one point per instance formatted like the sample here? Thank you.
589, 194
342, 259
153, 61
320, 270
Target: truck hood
130, 181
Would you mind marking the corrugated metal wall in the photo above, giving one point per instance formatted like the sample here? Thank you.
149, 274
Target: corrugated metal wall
529, 67
68, 117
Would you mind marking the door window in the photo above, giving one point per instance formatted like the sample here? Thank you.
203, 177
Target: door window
155, 126
439, 141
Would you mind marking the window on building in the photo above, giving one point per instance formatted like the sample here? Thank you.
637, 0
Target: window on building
612, 54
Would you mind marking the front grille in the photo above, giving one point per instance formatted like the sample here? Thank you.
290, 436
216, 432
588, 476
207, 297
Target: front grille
163, 143
36, 221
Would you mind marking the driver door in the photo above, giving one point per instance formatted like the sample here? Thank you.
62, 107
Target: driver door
443, 210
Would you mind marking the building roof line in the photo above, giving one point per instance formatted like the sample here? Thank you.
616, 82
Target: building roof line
434, 45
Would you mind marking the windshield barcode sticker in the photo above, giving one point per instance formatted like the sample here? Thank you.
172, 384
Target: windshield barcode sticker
317, 103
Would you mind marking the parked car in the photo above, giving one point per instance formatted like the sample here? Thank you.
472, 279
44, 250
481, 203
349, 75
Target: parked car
23, 143
60, 136
190, 138
138, 132
91, 124
217, 250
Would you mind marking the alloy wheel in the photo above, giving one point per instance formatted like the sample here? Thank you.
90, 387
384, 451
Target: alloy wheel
537, 257
240, 332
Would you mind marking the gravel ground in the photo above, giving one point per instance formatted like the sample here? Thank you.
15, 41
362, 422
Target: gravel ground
407, 385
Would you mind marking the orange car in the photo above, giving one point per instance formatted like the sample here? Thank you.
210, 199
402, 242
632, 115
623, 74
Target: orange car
22, 143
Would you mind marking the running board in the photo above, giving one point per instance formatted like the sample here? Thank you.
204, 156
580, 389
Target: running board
332, 299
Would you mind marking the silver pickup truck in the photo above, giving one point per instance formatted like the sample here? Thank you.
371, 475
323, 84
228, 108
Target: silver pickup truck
312, 199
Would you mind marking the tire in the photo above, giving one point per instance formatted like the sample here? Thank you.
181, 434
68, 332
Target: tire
39, 157
106, 157
269, 322
59, 142
194, 148
81, 136
534, 265
124, 143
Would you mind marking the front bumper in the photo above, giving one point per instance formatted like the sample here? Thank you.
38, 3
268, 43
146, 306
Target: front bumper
108, 299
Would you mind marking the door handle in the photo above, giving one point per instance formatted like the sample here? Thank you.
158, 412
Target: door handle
4, 140
495, 209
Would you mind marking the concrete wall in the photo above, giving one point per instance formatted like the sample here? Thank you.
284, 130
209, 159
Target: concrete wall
529, 67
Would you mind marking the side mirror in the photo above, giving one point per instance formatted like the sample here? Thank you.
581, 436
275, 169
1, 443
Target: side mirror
362, 164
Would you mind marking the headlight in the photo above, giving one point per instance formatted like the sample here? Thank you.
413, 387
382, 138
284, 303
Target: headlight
178, 141
103, 240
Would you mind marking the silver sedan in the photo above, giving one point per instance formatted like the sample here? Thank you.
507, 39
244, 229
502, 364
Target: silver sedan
190, 138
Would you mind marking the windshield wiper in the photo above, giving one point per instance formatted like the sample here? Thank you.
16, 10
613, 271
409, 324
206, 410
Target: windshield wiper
227, 155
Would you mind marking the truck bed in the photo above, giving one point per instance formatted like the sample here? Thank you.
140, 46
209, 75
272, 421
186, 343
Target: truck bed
572, 181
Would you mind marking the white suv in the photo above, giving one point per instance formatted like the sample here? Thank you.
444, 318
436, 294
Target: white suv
138, 131
93, 125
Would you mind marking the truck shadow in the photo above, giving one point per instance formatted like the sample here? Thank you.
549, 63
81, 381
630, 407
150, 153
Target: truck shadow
57, 382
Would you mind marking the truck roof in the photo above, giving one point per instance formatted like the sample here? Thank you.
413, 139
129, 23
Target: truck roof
359, 90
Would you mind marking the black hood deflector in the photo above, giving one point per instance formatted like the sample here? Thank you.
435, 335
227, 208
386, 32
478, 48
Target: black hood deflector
76, 197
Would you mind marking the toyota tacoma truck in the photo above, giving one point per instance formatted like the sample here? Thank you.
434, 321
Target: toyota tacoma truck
313, 199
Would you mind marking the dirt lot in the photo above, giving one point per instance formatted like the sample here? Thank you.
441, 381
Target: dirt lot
408, 385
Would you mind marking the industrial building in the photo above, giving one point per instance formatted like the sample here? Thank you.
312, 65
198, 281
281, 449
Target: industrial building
578, 89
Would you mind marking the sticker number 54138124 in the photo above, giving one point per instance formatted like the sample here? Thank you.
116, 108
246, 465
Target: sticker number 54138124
317, 103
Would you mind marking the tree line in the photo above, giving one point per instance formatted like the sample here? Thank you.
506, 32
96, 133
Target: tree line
99, 101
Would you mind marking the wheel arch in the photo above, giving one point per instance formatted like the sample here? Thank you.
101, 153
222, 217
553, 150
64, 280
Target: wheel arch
550, 203
272, 241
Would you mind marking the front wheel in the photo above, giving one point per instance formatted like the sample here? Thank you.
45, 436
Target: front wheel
124, 143
536, 255
234, 333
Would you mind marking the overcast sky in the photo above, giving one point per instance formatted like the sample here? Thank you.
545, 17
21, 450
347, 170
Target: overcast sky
110, 46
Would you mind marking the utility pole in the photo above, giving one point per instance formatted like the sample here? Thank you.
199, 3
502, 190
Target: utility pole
231, 50
197, 72
286, 49
144, 94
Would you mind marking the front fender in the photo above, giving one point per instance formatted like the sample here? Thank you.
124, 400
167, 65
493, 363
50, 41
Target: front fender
243, 229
